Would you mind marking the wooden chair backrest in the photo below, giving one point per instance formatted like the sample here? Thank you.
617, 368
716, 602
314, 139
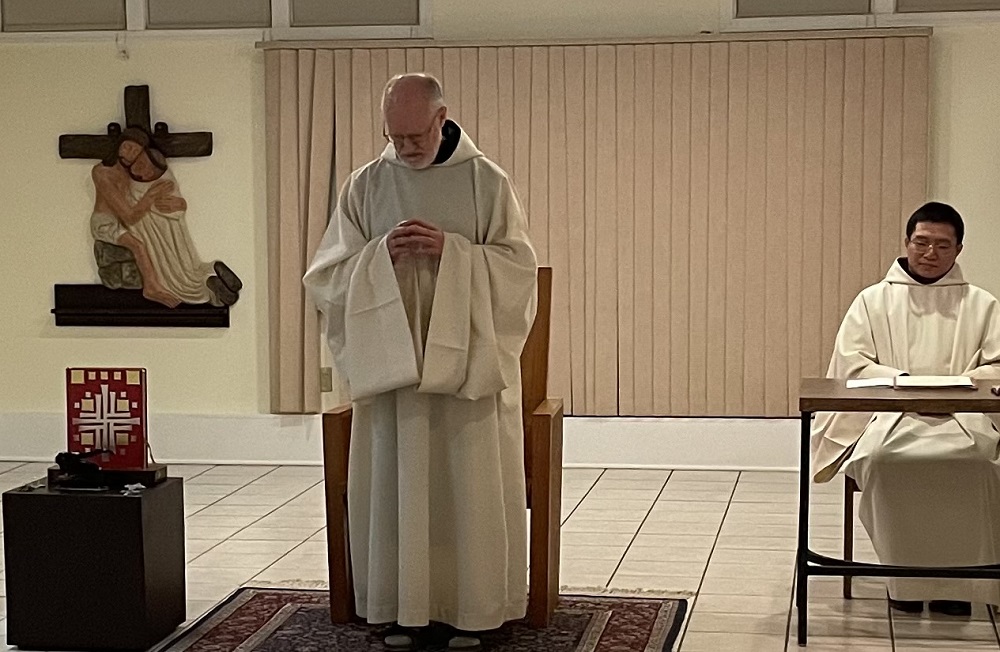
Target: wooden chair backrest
535, 356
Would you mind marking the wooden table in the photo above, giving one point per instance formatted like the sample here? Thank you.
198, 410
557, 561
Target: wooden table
832, 395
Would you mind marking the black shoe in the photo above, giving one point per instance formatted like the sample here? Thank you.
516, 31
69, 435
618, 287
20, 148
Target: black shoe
231, 280
951, 607
221, 291
907, 606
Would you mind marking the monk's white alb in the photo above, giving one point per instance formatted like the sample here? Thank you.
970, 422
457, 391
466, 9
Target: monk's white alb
930, 483
430, 351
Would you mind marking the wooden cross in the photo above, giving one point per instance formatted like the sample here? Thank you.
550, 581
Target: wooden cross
196, 143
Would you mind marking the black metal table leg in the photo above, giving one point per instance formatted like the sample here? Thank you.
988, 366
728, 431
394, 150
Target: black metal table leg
801, 559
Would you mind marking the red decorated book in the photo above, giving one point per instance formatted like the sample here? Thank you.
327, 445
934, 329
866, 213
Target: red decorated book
106, 409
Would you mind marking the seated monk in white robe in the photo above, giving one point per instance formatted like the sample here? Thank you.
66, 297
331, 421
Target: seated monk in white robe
427, 280
930, 483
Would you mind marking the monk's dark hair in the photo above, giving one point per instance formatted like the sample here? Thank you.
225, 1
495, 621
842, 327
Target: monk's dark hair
937, 213
157, 158
133, 134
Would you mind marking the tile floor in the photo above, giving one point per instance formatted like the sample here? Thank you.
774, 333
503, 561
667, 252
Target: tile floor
727, 538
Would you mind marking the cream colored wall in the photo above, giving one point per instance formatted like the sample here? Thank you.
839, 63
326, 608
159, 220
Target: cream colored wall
965, 141
45, 203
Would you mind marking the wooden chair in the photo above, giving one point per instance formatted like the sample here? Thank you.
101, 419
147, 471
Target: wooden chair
542, 468
850, 488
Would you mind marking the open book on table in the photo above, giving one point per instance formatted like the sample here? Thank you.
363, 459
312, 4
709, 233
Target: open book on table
914, 382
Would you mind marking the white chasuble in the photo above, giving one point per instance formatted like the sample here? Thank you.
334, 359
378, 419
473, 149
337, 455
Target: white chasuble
930, 483
431, 352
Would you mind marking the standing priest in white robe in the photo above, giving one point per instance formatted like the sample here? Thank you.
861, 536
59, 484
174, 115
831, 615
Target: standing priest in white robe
930, 482
428, 282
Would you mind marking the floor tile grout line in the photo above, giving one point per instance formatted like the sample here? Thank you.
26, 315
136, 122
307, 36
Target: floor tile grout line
791, 591
200, 507
636, 533
992, 615
711, 553
788, 620
209, 468
586, 493
295, 547
238, 487
892, 626
274, 509
20, 465
185, 480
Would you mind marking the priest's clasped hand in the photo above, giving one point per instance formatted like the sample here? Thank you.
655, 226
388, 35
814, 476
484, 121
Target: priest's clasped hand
415, 238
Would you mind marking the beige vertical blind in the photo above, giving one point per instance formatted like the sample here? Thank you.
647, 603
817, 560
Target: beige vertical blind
709, 209
298, 88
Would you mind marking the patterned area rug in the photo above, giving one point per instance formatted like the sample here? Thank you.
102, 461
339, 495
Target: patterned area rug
276, 620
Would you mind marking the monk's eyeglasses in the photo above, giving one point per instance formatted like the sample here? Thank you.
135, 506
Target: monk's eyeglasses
941, 247
399, 140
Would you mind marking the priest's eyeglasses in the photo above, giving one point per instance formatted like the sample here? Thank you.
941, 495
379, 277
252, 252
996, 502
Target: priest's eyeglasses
922, 246
399, 140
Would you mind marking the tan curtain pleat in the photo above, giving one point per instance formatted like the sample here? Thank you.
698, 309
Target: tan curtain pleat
709, 208
299, 125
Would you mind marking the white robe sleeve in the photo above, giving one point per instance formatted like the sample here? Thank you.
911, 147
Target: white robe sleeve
834, 434
987, 362
353, 284
484, 304
854, 354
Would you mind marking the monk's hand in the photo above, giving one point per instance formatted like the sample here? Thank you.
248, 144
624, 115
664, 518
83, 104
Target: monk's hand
423, 238
415, 238
396, 241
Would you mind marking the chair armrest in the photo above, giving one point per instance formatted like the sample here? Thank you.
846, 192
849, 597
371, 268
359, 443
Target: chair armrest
336, 446
337, 422
340, 411
551, 407
545, 441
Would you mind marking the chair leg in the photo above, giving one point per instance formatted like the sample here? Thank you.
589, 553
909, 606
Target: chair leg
341, 586
849, 489
546, 507
336, 445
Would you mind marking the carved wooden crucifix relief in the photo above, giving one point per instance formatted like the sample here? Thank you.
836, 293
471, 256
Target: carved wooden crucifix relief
195, 143
150, 273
